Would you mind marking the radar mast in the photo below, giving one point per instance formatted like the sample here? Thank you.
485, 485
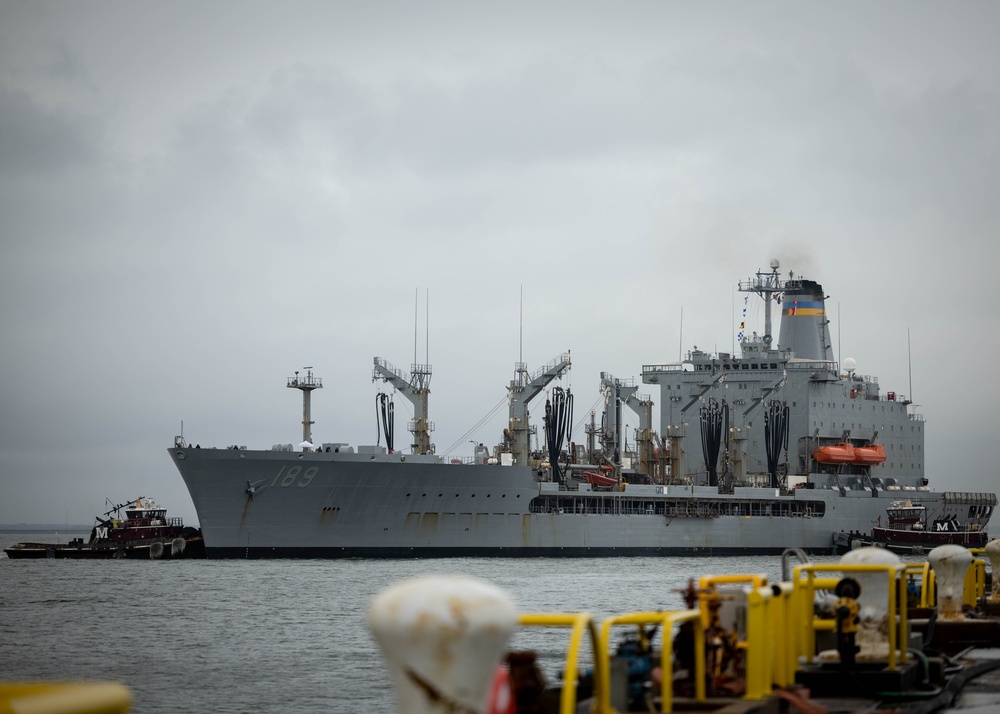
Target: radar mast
306, 384
765, 285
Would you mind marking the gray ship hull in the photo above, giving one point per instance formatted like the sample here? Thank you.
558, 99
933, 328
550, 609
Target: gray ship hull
272, 504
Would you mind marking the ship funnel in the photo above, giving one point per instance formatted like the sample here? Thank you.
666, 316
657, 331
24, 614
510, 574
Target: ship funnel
805, 330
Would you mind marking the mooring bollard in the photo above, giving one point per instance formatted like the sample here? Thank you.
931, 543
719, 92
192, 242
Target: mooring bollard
950, 563
873, 602
442, 637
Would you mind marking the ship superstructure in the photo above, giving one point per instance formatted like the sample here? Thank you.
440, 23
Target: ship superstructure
777, 447
792, 386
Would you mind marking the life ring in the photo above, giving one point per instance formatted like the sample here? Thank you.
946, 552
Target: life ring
501, 699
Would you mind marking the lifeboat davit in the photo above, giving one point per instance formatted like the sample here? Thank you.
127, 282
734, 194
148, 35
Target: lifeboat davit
869, 455
834, 454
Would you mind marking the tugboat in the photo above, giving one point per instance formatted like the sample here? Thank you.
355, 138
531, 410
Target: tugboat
907, 531
144, 532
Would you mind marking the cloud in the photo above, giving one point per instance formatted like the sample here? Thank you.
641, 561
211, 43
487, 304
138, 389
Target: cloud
189, 214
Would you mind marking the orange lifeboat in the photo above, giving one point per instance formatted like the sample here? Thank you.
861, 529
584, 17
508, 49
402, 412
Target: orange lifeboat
600, 479
834, 454
869, 455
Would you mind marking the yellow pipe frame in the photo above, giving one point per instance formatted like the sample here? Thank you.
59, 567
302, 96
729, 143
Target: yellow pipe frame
760, 659
65, 697
580, 623
975, 582
768, 621
896, 612
708, 582
666, 620
784, 618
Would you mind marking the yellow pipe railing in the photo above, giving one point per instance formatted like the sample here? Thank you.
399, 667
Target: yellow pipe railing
784, 618
975, 582
666, 620
65, 697
896, 614
762, 629
580, 623
802, 604
923, 570
768, 621
708, 582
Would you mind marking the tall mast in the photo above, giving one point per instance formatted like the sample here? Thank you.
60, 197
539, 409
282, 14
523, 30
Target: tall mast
306, 384
765, 285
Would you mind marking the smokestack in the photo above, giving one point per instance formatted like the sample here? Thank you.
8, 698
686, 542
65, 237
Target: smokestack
805, 330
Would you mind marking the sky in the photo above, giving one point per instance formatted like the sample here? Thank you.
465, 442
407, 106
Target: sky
198, 199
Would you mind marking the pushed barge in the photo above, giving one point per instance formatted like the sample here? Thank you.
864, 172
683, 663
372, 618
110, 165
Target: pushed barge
742, 463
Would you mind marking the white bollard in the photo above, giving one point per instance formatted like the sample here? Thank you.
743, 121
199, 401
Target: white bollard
873, 602
950, 563
993, 553
442, 637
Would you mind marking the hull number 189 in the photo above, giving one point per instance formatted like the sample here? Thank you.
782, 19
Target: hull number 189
286, 479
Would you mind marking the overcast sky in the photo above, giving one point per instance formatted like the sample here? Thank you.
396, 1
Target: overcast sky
198, 199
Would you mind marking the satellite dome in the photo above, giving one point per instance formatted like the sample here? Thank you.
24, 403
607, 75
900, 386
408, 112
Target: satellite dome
850, 364
774, 263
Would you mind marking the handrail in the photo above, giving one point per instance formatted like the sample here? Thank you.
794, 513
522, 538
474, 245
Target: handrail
784, 618
923, 570
65, 697
766, 623
760, 659
706, 582
975, 582
666, 620
580, 622
756, 580
895, 626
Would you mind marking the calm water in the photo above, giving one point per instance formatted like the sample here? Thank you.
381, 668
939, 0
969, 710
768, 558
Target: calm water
277, 636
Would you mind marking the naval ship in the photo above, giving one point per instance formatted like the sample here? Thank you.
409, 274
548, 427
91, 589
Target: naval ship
777, 447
